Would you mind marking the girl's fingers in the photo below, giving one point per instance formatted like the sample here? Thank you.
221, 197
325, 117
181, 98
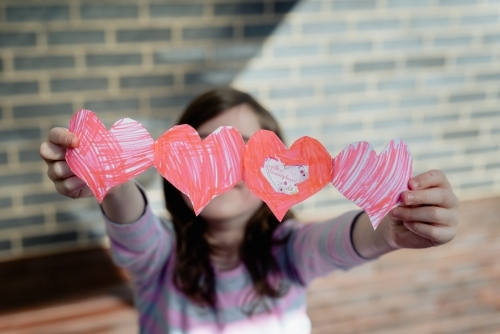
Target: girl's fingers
430, 179
59, 170
61, 136
442, 197
52, 152
429, 214
70, 187
438, 235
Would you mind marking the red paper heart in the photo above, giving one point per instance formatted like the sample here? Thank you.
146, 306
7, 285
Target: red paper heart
200, 169
305, 151
373, 182
104, 159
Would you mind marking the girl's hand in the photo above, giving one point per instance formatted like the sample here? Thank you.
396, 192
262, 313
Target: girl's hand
429, 215
53, 151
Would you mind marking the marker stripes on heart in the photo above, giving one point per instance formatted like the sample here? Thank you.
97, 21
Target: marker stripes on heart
203, 169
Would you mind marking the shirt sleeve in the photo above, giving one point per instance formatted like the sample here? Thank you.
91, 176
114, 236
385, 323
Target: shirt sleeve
316, 249
142, 247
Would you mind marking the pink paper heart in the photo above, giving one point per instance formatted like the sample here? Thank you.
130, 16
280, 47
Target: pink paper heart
104, 159
373, 182
305, 154
200, 169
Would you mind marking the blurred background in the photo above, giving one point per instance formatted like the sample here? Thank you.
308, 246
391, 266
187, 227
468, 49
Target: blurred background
341, 71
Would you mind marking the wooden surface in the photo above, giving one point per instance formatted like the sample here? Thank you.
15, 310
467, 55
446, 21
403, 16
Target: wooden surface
449, 289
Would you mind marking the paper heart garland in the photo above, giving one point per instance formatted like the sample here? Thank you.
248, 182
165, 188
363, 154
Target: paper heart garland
305, 151
373, 182
205, 169
104, 159
213, 165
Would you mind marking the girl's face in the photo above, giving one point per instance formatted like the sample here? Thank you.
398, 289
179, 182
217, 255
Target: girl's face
238, 201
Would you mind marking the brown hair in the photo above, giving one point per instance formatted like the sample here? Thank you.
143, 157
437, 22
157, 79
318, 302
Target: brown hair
193, 274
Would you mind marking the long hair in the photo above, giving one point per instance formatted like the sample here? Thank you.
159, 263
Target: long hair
193, 273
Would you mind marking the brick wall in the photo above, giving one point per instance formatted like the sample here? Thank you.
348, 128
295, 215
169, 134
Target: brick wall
340, 71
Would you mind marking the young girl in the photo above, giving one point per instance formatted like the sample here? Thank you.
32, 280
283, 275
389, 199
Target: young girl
235, 268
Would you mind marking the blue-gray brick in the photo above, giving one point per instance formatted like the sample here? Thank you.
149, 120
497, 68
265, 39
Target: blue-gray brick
36, 13
396, 84
17, 223
283, 7
378, 24
296, 50
11, 39
347, 47
96, 12
492, 165
461, 134
457, 170
29, 156
474, 59
238, 52
445, 80
243, 8
488, 77
3, 158
429, 22
425, 62
368, 106
479, 184
345, 88
5, 245
449, 41
288, 92
316, 110
479, 19
43, 62
467, 97
441, 119
353, 4
19, 134
374, 66
191, 55
175, 101
143, 35
43, 110
272, 73
320, 70
146, 81
5, 202
436, 155
485, 114
20, 179
93, 60
491, 39
392, 123
457, 2
407, 3
44, 198
266, 29
76, 37
210, 77
327, 129
488, 148
44, 240
421, 101
18, 88
208, 32
176, 10
316, 28
112, 104
403, 44
84, 84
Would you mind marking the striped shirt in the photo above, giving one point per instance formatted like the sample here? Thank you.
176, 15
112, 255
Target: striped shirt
146, 249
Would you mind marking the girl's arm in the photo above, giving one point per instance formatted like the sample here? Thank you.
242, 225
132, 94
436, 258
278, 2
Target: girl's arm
428, 217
